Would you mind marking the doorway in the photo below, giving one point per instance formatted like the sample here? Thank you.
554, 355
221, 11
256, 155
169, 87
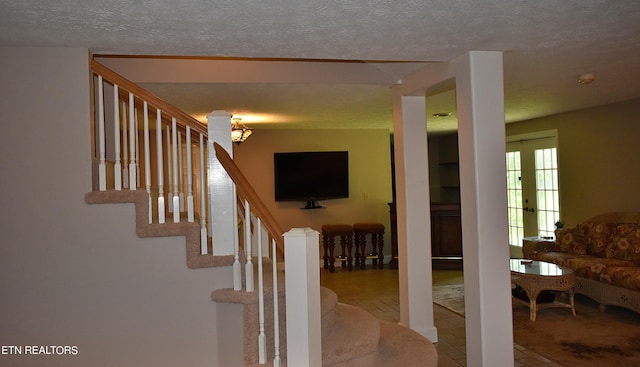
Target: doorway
533, 195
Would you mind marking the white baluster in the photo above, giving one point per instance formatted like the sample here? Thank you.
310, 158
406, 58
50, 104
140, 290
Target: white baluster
132, 145
237, 267
262, 338
147, 159
117, 169
276, 314
125, 146
169, 170
161, 218
203, 200
248, 266
102, 166
174, 159
137, 149
180, 173
190, 209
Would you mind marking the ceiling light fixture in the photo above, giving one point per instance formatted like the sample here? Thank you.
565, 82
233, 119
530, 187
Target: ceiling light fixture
239, 132
586, 78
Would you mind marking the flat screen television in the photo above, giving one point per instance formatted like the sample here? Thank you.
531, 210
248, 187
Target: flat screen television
311, 176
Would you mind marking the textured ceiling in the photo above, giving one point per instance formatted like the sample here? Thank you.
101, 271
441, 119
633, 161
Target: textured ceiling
546, 45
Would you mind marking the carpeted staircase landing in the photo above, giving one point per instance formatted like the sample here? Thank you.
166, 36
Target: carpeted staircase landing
351, 336
355, 337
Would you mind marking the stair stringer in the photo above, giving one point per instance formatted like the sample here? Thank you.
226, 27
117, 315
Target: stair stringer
191, 230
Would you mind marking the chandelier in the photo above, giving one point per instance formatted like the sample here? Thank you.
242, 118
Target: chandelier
239, 132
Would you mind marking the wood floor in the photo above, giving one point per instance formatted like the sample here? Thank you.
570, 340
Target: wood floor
376, 290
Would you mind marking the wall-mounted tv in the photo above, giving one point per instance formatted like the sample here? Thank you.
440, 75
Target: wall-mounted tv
311, 176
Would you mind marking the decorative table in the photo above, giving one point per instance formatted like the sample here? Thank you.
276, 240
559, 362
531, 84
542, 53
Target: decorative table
537, 276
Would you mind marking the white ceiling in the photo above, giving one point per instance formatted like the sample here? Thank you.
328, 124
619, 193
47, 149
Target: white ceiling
546, 45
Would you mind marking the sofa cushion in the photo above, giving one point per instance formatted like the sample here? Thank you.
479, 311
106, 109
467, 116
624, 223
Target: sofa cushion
626, 277
600, 236
591, 267
558, 258
572, 240
626, 243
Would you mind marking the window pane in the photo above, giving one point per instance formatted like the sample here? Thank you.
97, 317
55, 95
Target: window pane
514, 198
547, 190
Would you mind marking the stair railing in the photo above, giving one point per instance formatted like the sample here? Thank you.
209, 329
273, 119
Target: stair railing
117, 149
122, 164
251, 202
302, 275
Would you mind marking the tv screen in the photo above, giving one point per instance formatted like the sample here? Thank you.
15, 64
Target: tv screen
311, 176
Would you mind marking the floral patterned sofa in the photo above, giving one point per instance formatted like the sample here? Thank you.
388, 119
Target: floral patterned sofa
604, 253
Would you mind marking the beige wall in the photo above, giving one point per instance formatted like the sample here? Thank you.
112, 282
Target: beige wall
74, 274
369, 175
599, 158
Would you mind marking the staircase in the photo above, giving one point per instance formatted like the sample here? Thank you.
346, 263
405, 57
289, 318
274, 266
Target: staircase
350, 335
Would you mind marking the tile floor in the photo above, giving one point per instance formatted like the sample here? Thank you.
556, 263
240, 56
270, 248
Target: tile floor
376, 290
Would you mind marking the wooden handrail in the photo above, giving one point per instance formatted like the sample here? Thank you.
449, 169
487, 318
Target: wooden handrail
244, 189
151, 98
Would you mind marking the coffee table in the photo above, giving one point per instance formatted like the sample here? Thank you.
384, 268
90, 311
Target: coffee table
537, 276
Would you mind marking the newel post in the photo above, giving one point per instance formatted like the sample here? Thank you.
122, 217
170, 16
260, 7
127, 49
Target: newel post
302, 272
220, 186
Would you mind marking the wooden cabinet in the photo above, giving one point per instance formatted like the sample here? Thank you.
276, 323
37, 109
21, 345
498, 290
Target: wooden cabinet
446, 236
449, 182
444, 169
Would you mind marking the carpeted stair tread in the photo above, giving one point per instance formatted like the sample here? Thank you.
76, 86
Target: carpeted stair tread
229, 295
401, 346
353, 339
328, 302
191, 230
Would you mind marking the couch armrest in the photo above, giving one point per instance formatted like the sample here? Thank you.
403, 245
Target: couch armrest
531, 246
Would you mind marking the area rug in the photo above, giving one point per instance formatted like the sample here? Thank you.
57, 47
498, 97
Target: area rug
591, 339
450, 297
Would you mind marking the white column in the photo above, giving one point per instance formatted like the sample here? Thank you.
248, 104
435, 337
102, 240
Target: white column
413, 210
481, 140
220, 186
302, 283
